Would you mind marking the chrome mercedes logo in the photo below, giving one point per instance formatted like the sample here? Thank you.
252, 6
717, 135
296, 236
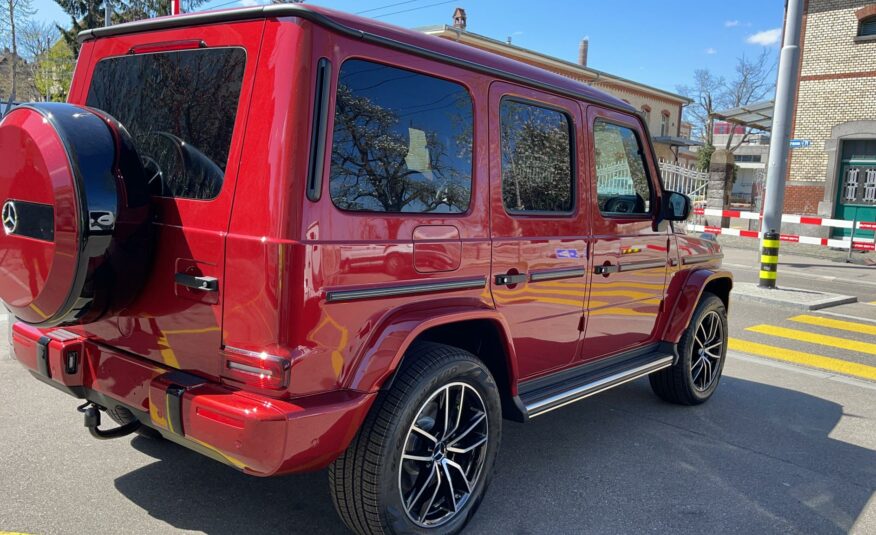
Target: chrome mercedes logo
10, 217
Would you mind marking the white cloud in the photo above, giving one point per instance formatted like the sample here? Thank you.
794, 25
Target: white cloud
731, 23
765, 38
711, 51
249, 3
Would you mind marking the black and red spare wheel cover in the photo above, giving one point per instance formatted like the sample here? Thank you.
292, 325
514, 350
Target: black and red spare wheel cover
76, 242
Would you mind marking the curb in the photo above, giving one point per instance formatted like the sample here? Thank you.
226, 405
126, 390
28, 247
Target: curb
797, 298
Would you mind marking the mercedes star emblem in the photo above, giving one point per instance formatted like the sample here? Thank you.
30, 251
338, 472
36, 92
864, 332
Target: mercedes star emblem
10, 217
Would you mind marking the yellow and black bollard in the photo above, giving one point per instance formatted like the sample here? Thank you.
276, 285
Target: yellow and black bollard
769, 260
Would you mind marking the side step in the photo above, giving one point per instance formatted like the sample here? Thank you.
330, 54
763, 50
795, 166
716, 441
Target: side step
545, 394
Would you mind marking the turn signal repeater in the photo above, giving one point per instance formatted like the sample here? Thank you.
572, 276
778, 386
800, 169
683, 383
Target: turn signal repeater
252, 368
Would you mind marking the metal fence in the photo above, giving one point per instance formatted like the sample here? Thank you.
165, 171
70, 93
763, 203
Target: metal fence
688, 180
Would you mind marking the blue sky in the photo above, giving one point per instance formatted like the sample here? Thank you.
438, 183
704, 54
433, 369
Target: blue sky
657, 43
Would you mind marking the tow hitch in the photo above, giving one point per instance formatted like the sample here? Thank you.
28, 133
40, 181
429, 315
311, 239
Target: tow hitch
91, 412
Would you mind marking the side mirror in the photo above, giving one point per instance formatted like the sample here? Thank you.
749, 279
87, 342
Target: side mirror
676, 206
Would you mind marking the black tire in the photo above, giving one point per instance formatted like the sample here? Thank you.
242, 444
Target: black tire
122, 416
366, 481
683, 383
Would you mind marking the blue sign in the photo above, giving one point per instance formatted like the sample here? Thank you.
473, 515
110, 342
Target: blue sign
567, 253
800, 143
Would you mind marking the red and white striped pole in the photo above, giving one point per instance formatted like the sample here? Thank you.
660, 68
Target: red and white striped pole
175, 7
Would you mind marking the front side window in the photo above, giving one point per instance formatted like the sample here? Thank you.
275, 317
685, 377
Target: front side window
536, 158
402, 141
622, 185
180, 109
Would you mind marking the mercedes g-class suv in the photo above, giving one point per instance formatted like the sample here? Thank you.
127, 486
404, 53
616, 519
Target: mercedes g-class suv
290, 239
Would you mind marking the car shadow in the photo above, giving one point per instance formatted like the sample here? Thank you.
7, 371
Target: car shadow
755, 459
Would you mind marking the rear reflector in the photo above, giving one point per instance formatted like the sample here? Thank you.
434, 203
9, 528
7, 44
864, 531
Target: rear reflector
256, 369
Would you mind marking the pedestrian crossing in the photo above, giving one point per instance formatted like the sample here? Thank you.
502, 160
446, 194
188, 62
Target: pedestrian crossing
824, 343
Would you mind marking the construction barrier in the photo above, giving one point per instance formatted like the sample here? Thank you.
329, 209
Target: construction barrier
860, 244
788, 218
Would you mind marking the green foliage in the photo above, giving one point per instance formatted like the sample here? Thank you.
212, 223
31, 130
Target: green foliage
704, 156
53, 72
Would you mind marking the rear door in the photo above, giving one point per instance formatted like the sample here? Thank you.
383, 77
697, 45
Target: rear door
538, 224
629, 256
184, 104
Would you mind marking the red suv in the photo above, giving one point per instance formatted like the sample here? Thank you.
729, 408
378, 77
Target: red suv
289, 239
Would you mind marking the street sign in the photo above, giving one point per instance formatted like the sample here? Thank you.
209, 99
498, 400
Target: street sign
800, 143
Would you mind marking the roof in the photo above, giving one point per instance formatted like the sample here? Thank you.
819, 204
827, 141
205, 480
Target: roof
597, 74
758, 115
382, 34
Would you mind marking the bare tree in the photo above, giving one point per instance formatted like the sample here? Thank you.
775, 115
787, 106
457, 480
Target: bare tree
36, 38
15, 14
707, 93
754, 81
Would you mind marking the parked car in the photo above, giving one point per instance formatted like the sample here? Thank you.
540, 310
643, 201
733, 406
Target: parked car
187, 243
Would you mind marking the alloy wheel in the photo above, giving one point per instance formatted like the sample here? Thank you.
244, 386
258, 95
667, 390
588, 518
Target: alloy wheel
708, 350
443, 457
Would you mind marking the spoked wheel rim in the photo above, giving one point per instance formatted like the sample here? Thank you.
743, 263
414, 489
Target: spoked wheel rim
708, 350
443, 456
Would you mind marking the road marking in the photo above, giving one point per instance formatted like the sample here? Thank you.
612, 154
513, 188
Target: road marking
847, 316
806, 359
812, 338
850, 326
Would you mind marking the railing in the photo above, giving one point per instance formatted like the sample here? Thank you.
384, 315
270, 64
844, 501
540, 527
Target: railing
687, 180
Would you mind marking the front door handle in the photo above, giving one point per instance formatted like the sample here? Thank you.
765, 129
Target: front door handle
606, 269
510, 279
205, 284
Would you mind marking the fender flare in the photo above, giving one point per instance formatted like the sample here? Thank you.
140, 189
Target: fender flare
688, 291
378, 361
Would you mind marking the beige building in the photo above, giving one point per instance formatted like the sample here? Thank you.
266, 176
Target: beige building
836, 113
662, 109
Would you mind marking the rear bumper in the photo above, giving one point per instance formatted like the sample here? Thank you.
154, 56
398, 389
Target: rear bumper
256, 434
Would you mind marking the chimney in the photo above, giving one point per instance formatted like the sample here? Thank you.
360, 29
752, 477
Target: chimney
582, 52
459, 19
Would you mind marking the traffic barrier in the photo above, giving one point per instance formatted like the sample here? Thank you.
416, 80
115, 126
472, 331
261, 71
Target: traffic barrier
769, 260
860, 244
789, 218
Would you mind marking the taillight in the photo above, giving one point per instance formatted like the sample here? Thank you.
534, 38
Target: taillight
256, 369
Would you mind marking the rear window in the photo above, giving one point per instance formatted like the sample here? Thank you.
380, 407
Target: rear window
180, 109
402, 141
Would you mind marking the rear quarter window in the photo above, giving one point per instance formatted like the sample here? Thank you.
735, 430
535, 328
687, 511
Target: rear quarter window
180, 108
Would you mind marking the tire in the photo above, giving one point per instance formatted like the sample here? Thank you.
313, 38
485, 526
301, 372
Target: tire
121, 416
368, 480
695, 376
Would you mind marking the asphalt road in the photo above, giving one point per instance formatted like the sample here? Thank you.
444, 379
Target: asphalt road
781, 448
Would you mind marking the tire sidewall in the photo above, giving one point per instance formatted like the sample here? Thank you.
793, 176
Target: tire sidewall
709, 303
466, 371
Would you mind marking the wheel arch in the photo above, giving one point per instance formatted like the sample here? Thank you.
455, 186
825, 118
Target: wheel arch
685, 293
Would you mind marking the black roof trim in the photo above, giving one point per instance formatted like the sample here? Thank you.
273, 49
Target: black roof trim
298, 10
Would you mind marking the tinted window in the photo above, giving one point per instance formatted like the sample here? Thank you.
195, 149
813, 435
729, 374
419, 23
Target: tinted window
622, 185
536, 158
402, 141
180, 109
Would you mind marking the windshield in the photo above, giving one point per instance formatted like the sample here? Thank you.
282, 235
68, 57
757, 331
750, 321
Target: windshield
180, 109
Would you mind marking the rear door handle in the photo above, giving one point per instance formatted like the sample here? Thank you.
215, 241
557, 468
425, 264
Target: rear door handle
509, 279
206, 284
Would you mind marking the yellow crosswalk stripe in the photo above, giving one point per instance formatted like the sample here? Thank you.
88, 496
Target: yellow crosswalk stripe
806, 359
851, 326
812, 338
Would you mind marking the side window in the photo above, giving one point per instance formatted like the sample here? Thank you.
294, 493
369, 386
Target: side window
622, 185
536, 158
402, 141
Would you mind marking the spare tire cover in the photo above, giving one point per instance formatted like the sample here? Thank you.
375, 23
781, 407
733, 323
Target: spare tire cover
76, 237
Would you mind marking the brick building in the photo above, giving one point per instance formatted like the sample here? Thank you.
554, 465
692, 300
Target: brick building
661, 109
836, 112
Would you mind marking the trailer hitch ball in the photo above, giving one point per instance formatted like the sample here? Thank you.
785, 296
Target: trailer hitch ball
91, 412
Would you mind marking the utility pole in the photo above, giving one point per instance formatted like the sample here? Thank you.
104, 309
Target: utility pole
107, 13
777, 166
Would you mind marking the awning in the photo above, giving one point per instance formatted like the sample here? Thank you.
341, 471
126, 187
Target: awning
758, 116
673, 141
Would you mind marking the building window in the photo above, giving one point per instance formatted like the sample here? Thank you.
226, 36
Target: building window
867, 27
622, 185
664, 123
402, 142
747, 158
646, 112
536, 158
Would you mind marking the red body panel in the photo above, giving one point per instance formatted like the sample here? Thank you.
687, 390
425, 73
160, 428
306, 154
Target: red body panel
279, 256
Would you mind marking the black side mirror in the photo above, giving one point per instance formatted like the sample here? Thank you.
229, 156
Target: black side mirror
676, 206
